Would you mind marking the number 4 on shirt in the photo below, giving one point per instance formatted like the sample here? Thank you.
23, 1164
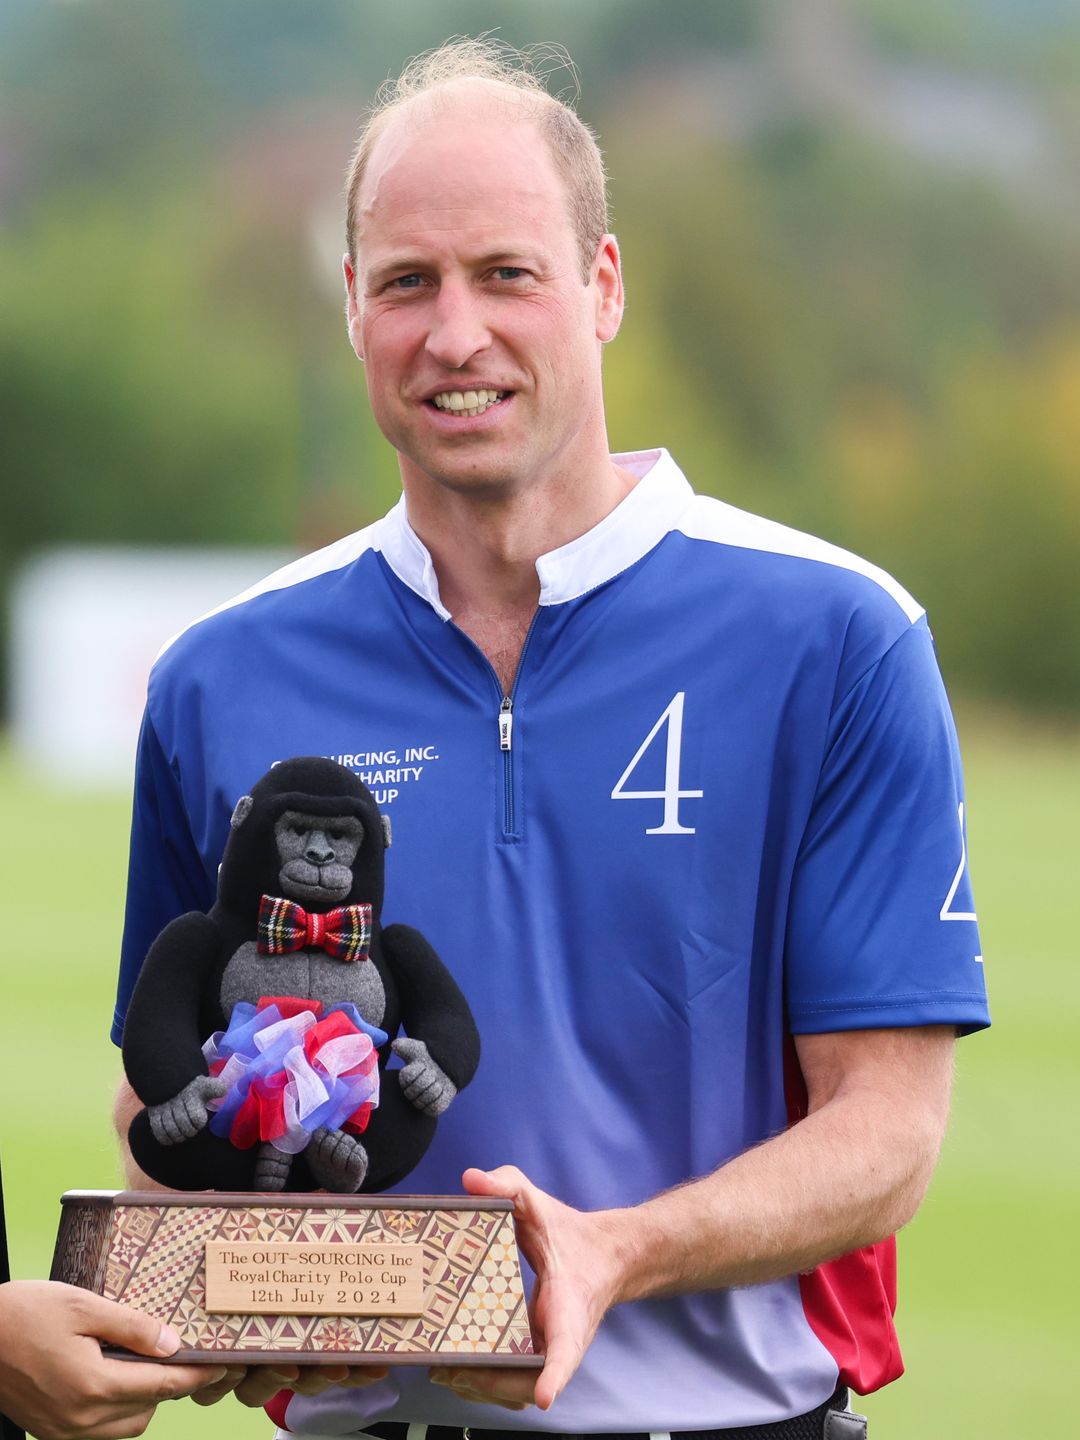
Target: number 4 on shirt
671, 794
947, 912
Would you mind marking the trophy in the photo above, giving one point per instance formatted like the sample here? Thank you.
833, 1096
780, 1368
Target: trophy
307, 1279
258, 1038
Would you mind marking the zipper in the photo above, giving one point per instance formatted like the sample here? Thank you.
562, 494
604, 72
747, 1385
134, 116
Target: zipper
506, 721
506, 732
506, 745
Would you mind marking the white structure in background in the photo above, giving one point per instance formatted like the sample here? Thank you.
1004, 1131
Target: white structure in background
86, 625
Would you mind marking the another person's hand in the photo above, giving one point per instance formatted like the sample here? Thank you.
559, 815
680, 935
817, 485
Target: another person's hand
56, 1383
254, 1385
575, 1258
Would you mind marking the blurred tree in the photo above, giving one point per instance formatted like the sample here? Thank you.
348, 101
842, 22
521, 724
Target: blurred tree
823, 324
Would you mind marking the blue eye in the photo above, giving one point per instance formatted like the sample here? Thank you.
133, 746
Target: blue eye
509, 272
407, 282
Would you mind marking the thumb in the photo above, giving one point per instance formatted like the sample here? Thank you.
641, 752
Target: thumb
120, 1325
408, 1047
507, 1182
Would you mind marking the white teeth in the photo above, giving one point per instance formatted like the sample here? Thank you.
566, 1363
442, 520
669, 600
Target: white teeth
467, 402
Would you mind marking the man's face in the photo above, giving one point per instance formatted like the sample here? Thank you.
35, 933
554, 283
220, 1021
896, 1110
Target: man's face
480, 338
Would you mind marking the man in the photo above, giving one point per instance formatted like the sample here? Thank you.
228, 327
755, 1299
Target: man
675, 793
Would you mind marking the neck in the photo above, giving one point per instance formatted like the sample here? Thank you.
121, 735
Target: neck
484, 547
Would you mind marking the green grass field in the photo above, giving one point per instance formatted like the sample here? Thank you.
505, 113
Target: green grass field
987, 1270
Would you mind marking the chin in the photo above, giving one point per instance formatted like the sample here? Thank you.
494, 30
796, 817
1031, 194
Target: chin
479, 478
484, 484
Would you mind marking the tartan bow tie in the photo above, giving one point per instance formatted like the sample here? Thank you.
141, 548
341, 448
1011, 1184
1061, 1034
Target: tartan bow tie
284, 926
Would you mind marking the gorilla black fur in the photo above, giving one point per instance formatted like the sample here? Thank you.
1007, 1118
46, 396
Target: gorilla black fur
201, 964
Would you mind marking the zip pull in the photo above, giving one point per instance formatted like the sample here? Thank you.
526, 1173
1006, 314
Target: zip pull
506, 723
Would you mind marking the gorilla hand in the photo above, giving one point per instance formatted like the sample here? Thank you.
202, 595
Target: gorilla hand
338, 1161
185, 1114
423, 1082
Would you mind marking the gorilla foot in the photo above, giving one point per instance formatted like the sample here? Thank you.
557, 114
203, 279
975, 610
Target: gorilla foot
271, 1169
337, 1161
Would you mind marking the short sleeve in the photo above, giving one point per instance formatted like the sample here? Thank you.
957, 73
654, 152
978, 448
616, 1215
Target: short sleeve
882, 929
166, 875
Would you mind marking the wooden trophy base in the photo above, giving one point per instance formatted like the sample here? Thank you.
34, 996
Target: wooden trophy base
308, 1279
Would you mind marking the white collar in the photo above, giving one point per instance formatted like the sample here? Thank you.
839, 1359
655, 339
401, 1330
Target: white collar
636, 525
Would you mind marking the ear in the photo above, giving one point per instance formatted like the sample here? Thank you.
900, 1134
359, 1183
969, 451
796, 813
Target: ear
386, 836
241, 811
606, 280
352, 308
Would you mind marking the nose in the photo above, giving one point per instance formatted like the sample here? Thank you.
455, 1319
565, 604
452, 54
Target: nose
318, 850
459, 327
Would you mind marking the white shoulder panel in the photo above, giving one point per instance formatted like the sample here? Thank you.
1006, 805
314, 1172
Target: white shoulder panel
709, 519
320, 562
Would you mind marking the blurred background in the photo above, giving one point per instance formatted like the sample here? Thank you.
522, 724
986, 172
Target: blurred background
851, 236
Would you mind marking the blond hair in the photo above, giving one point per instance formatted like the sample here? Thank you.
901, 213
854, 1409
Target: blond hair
522, 74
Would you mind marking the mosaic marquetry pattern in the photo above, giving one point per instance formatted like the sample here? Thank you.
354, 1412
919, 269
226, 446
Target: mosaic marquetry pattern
81, 1246
151, 1257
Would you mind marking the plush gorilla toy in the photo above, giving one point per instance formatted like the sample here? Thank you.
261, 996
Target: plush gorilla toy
306, 992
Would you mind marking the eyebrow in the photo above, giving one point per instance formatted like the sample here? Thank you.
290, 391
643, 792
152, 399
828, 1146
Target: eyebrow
401, 266
406, 264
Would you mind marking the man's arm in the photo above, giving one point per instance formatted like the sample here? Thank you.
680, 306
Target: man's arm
851, 1173
125, 1107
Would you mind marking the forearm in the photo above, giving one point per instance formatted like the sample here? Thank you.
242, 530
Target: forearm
851, 1173
813, 1193
125, 1107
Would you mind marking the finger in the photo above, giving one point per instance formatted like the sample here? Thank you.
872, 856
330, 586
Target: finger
211, 1394
512, 1389
361, 1375
116, 1324
506, 1181
178, 1381
314, 1379
133, 1423
503, 1180
262, 1383
511, 1386
130, 1387
562, 1359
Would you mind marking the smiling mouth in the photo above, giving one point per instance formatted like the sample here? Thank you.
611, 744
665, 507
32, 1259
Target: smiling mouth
467, 403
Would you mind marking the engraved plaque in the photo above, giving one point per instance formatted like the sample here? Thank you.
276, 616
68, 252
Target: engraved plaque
245, 1278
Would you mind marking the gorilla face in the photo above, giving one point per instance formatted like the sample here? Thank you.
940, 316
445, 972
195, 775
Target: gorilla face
311, 828
317, 854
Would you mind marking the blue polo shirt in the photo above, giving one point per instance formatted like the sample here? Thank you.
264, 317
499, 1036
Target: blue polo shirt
722, 806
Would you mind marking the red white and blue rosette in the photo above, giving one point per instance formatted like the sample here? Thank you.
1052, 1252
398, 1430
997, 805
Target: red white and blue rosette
292, 1067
